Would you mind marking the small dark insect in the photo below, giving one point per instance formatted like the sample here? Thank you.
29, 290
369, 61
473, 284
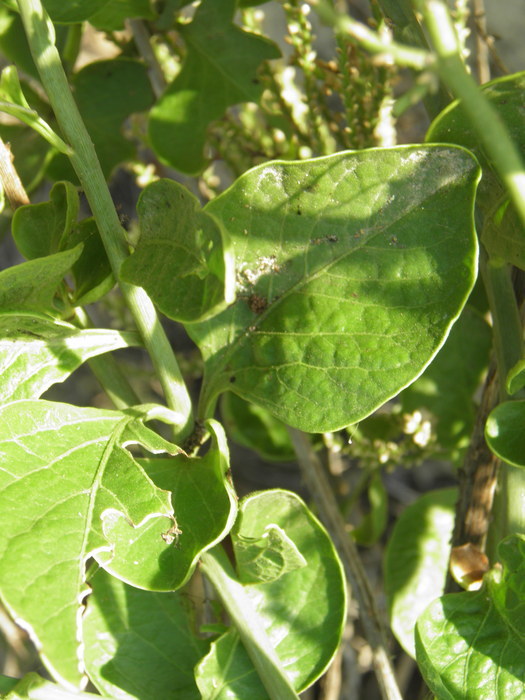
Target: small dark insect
257, 304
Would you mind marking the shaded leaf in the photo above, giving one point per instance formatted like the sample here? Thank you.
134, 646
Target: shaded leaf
42, 229
107, 92
64, 474
140, 644
220, 70
472, 645
182, 258
205, 506
502, 235
37, 352
267, 557
303, 611
31, 286
73, 10
373, 524
92, 274
354, 267
112, 16
416, 561
447, 386
504, 432
256, 428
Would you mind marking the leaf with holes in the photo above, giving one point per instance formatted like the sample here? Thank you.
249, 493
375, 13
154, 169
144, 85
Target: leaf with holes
65, 475
354, 268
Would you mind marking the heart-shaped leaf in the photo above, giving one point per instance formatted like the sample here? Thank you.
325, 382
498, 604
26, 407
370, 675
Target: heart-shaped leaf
64, 475
42, 229
416, 561
354, 268
183, 259
140, 645
302, 609
219, 70
472, 645
36, 352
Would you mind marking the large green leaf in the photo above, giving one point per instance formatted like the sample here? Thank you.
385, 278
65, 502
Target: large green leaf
416, 561
140, 644
183, 259
37, 352
65, 477
31, 286
353, 268
505, 432
302, 607
471, 646
219, 70
107, 92
447, 386
205, 507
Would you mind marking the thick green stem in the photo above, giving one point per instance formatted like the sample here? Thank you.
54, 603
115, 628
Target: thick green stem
40, 35
216, 566
484, 119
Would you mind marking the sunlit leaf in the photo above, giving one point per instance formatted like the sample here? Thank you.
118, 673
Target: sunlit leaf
353, 269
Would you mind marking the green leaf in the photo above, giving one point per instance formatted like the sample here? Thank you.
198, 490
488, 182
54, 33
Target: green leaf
515, 378
73, 10
13, 102
37, 352
472, 645
112, 16
31, 286
140, 644
416, 561
13, 42
182, 258
65, 475
354, 267
502, 235
31, 153
504, 432
374, 522
267, 557
252, 426
92, 272
506, 95
34, 687
447, 386
205, 507
42, 229
220, 70
303, 611
107, 92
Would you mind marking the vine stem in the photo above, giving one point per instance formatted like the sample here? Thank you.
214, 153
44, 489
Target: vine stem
217, 568
490, 129
320, 490
389, 50
41, 37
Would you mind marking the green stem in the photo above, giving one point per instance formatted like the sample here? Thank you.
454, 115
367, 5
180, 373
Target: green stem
389, 50
108, 372
485, 120
40, 35
219, 571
